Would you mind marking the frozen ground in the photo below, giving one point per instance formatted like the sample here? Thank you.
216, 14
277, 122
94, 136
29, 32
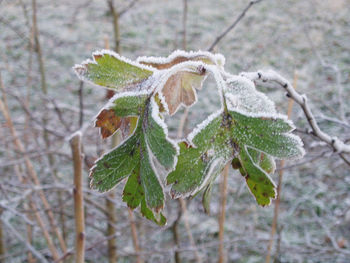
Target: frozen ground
292, 37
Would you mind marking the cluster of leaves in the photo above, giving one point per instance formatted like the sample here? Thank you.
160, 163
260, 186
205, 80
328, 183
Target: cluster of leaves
246, 132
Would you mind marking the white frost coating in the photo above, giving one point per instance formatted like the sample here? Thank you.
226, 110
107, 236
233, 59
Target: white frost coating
155, 115
263, 115
201, 126
218, 77
218, 59
248, 82
216, 163
162, 100
119, 57
299, 146
81, 69
77, 133
267, 175
242, 94
111, 101
338, 145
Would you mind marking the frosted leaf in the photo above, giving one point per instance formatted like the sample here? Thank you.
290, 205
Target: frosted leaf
180, 56
226, 136
198, 163
241, 94
134, 196
133, 157
258, 180
121, 112
108, 69
264, 161
179, 89
270, 135
184, 72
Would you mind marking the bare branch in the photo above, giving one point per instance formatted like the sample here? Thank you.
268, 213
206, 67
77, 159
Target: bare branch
29, 246
75, 143
129, 6
233, 25
337, 145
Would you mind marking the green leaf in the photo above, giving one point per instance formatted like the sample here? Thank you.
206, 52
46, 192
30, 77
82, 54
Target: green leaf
258, 181
128, 103
225, 137
116, 165
156, 137
133, 158
133, 192
134, 196
111, 70
212, 148
264, 161
267, 134
158, 218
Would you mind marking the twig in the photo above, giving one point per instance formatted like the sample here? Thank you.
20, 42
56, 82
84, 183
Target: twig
184, 24
29, 246
232, 26
131, 4
81, 104
223, 186
337, 145
75, 143
310, 160
60, 116
111, 229
188, 229
279, 185
182, 212
135, 239
332, 67
14, 29
51, 157
174, 229
116, 30
32, 173
32, 117
116, 139
2, 240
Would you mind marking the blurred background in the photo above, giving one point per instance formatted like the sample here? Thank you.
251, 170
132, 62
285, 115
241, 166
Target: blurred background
307, 42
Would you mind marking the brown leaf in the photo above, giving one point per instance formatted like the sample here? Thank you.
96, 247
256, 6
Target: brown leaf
109, 123
180, 89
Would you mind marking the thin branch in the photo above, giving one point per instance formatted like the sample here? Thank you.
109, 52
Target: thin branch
184, 24
116, 30
14, 29
29, 246
135, 239
279, 186
2, 239
332, 67
233, 25
223, 189
81, 104
75, 142
32, 173
337, 145
129, 6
